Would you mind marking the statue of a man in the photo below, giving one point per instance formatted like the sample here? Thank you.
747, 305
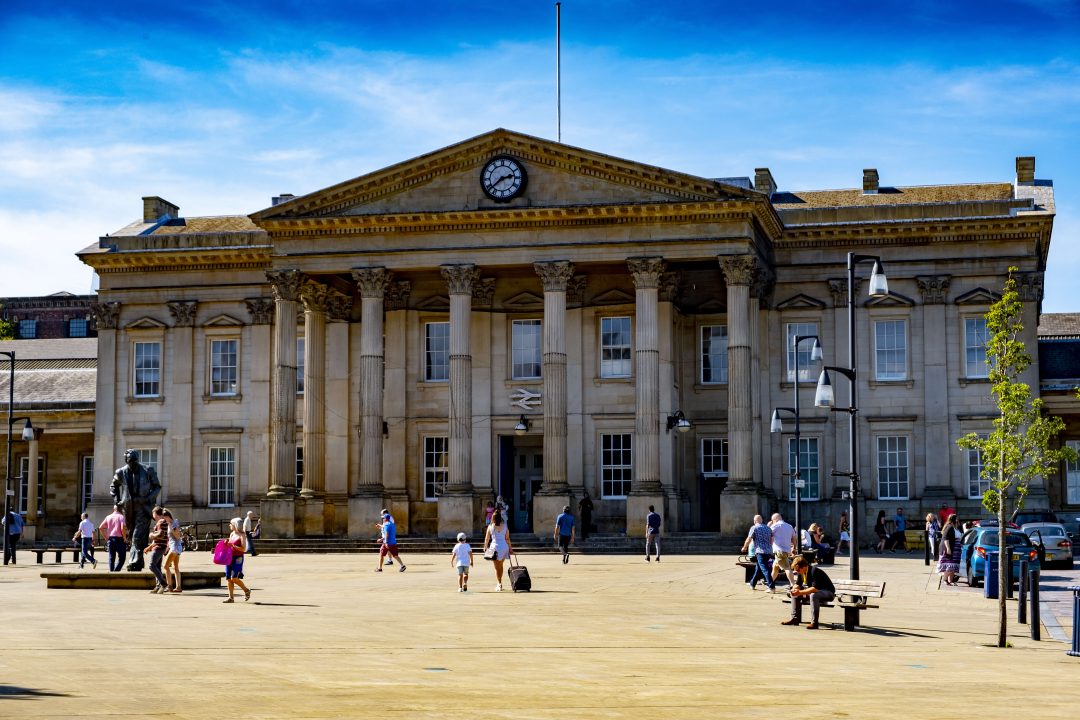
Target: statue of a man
135, 488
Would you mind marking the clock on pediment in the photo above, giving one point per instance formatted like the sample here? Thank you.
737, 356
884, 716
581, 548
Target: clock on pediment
503, 178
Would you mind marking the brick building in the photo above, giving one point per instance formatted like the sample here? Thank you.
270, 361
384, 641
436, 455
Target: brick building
60, 315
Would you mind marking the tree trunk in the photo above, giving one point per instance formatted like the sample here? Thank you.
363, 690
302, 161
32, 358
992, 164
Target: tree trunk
1003, 560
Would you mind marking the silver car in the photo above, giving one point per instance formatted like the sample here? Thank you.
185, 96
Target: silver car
1056, 543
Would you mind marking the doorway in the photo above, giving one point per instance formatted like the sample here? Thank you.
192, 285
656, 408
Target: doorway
528, 460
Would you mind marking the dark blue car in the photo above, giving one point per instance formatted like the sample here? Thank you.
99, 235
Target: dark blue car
978, 541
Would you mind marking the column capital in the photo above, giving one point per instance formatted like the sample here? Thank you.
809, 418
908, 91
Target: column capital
372, 282
740, 269
933, 288
183, 312
483, 292
838, 288
397, 295
285, 284
261, 310
575, 289
555, 274
315, 296
669, 286
460, 278
106, 315
646, 271
1030, 286
339, 306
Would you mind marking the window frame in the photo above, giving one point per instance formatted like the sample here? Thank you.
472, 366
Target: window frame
967, 349
516, 350
705, 357
607, 470
28, 329
299, 467
24, 484
136, 370
905, 373
973, 464
229, 491
435, 476
300, 349
84, 324
86, 481
805, 467
905, 483
721, 458
627, 347
809, 367
212, 367
428, 366
1072, 476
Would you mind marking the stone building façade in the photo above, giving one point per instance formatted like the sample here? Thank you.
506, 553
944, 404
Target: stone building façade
414, 340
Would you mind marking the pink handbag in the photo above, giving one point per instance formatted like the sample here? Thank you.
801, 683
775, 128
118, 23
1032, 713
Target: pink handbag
223, 553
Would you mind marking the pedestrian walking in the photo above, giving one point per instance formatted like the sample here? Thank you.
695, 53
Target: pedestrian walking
234, 571
761, 537
13, 526
949, 558
489, 510
652, 533
933, 533
114, 529
388, 532
585, 510
881, 531
173, 581
461, 559
844, 533
783, 547
251, 531
497, 546
564, 532
85, 537
159, 543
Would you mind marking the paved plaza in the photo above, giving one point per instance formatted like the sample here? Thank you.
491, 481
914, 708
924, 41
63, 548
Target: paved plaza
603, 637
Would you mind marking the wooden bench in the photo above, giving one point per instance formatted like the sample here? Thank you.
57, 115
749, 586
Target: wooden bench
853, 596
59, 550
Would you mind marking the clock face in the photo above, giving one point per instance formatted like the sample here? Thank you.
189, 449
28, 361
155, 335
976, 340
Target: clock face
503, 178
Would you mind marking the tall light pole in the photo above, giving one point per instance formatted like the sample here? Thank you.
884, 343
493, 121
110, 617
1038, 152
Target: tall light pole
27, 434
778, 427
879, 287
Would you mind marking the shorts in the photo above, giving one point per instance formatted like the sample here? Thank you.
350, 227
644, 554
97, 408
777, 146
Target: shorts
462, 569
385, 549
564, 542
844, 537
783, 560
235, 568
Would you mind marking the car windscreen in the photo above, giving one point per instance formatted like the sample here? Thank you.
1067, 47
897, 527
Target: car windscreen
990, 539
1046, 532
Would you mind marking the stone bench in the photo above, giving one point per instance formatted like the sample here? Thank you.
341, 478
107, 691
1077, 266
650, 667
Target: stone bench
124, 580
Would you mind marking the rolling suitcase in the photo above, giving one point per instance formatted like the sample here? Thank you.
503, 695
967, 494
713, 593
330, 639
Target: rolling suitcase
519, 577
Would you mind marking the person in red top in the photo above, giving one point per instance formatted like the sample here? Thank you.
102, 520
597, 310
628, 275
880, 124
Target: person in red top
114, 528
159, 542
234, 570
945, 512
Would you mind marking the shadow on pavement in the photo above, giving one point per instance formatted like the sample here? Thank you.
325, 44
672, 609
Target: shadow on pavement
13, 691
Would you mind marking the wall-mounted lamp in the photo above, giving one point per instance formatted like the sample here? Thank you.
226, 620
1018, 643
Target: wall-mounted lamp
28, 431
679, 422
522, 427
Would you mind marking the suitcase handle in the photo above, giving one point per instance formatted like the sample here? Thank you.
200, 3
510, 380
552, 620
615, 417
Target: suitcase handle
510, 557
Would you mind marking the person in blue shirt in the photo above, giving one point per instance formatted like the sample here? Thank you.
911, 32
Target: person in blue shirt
388, 530
652, 533
898, 539
564, 532
13, 526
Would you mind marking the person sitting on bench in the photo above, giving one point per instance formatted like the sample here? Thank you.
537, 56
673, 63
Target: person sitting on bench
812, 585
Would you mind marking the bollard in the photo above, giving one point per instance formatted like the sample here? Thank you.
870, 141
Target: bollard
1021, 605
926, 550
1036, 625
1075, 652
990, 576
1008, 578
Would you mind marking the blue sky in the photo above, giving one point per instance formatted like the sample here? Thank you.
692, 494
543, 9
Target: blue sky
217, 106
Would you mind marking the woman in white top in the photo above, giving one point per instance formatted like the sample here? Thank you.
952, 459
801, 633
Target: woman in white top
497, 546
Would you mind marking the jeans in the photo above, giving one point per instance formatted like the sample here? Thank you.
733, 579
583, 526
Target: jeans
251, 544
156, 556
816, 600
653, 540
87, 551
764, 569
13, 540
117, 548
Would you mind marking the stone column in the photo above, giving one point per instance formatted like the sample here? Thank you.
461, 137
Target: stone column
456, 503
106, 316
176, 476
315, 297
340, 432
937, 481
742, 499
367, 499
33, 451
555, 492
277, 510
396, 450
646, 489
260, 378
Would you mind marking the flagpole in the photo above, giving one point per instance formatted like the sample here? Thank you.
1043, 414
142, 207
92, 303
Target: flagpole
558, 71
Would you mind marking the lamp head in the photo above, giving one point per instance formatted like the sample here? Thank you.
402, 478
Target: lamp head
776, 425
879, 286
522, 427
678, 421
824, 396
28, 431
815, 352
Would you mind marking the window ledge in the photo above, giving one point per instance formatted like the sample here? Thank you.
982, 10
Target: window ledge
433, 383
909, 383
700, 387
511, 383
237, 398
597, 380
965, 381
135, 399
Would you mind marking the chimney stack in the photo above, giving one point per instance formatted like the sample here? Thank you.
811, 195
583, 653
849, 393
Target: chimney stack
283, 197
156, 209
763, 181
1025, 170
869, 181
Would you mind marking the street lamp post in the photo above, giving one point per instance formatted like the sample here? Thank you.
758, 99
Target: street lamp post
777, 426
27, 434
825, 397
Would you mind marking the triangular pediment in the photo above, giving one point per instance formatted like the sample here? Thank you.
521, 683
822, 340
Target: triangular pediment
524, 300
612, 297
893, 299
145, 323
440, 303
222, 321
448, 181
800, 302
978, 296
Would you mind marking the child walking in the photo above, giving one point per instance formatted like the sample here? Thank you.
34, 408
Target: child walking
462, 559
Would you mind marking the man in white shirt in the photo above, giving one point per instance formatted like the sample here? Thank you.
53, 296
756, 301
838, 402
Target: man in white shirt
783, 546
85, 536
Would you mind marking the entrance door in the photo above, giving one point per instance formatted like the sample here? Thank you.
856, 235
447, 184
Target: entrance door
528, 477
711, 488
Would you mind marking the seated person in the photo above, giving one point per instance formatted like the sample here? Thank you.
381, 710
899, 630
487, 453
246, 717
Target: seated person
812, 586
814, 539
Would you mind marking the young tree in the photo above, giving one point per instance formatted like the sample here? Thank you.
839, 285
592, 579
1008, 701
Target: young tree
1018, 449
7, 328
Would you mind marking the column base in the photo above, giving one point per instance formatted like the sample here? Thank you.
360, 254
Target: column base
277, 492
29, 534
738, 506
457, 513
637, 507
278, 517
548, 507
311, 514
364, 512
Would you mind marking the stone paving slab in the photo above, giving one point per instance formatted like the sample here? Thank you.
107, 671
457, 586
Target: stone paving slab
603, 637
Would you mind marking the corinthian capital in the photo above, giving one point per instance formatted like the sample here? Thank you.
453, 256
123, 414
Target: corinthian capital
933, 288
316, 296
555, 275
646, 271
285, 284
460, 278
261, 310
106, 315
739, 269
183, 313
372, 282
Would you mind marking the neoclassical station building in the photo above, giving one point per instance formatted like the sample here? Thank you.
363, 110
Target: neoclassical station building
510, 315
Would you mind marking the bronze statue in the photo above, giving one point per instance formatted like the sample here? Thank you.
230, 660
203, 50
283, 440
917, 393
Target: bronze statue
135, 488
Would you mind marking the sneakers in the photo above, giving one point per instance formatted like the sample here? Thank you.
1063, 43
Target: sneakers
498, 587
402, 569
657, 558
464, 588
157, 590
461, 589
751, 586
648, 559
565, 559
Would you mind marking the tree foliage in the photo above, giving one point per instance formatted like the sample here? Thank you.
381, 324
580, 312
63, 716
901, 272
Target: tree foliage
7, 328
1018, 450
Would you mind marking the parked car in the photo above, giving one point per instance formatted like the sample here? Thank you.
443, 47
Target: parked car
1023, 517
978, 541
1056, 544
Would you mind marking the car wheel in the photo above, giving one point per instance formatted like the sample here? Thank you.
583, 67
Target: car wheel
972, 580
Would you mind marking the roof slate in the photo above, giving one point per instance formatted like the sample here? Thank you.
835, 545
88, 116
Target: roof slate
1059, 325
50, 349
921, 194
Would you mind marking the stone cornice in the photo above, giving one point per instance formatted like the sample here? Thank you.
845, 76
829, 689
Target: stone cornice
911, 232
168, 261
